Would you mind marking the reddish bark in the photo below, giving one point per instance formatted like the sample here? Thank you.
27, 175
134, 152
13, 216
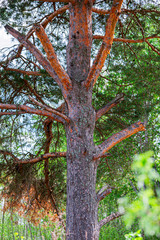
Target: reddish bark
118, 137
24, 72
27, 109
41, 59
106, 45
52, 57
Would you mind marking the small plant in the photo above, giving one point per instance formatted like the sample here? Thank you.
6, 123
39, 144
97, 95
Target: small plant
145, 209
135, 236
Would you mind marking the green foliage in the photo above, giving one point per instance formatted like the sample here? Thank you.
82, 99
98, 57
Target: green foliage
145, 209
136, 236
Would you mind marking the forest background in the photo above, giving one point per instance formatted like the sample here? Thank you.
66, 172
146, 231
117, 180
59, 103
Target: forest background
129, 80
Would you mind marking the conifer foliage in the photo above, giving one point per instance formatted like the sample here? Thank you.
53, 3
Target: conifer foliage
64, 95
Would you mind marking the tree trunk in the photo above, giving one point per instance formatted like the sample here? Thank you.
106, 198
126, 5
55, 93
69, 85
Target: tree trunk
81, 222
81, 169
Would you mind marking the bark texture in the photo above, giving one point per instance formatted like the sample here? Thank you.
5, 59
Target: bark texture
81, 169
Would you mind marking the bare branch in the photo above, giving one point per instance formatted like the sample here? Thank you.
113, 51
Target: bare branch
50, 109
110, 218
109, 105
100, 11
24, 72
33, 91
54, 14
27, 109
43, 157
106, 45
5, 153
103, 192
12, 113
52, 57
152, 47
127, 40
48, 19
33, 160
124, 10
118, 137
39, 56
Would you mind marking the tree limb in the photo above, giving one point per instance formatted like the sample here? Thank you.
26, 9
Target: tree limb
54, 14
32, 90
52, 57
128, 40
43, 157
50, 109
110, 218
106, 45
152, 47
38, 55
27, 109
124, 10
34, 160
48, 19
34, 73
103, 192
109, 105
5, 153
118, 137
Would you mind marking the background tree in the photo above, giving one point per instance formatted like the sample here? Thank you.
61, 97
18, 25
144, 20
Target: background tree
27, 88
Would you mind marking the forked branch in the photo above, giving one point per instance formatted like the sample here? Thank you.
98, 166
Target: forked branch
50, 109
118, 137
38, 55
106, 45
26, 109
109, 105
48, 19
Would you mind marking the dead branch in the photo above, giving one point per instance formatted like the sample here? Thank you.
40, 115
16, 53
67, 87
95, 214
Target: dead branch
118, 137
152, 47
124, 10
38, 55
33, 91
27, 109
50, 109
109, 105
7, 153
23, 72
110, 218
42, 157
127, 40
103, 192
